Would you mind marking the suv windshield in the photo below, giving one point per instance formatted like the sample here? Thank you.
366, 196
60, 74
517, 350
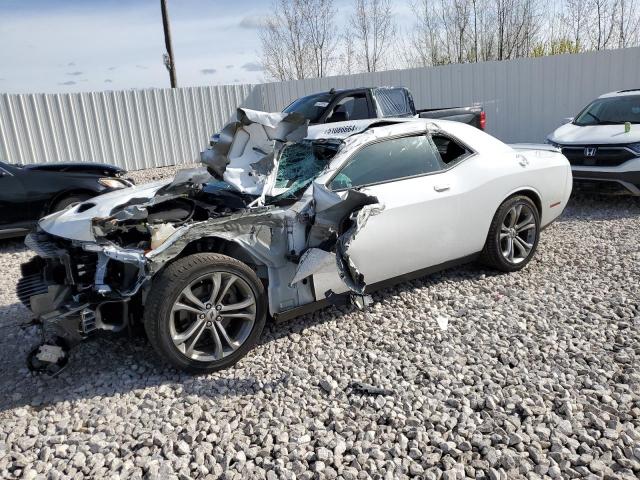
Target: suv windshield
311, 107
611, 111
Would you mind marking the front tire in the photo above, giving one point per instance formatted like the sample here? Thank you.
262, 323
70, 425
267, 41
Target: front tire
204, 312
513, 236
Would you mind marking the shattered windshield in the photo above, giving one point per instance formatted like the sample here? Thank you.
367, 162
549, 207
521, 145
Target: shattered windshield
300, 163
311, 107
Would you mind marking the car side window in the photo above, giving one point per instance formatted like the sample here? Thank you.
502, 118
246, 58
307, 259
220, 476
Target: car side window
451, 152
389, 160
353, 107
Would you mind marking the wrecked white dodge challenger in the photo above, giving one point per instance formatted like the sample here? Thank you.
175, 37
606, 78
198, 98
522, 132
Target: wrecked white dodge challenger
285, 219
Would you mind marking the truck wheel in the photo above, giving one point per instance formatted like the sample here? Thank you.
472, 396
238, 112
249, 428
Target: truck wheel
204, 312
513, 235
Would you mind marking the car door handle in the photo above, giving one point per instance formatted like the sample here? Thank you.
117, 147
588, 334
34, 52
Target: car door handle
441, 188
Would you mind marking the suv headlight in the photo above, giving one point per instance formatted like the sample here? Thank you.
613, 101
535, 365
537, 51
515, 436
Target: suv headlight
635, 147
113, 183
553, 144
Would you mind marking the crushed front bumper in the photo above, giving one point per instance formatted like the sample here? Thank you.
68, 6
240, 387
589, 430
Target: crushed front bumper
75, 289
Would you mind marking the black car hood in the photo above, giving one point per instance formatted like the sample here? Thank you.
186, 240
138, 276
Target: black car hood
102, 169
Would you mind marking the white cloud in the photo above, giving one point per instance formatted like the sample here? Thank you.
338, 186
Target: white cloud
253, 67
253, 21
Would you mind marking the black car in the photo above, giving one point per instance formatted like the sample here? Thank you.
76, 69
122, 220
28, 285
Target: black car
29, 192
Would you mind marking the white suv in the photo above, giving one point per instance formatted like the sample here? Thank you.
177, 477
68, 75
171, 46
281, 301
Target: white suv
602, 142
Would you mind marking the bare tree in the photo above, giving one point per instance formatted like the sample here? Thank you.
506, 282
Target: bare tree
347, 57
373, 29
422, 45
321, 34
628, 21
517, 26
604, 13
576, 18
297, 40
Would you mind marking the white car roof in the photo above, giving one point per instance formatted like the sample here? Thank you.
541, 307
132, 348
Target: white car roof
476, 139
621, 93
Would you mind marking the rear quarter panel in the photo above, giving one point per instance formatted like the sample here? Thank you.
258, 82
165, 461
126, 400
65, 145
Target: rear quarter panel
485, 181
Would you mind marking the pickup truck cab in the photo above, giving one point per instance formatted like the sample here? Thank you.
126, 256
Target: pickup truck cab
376, 102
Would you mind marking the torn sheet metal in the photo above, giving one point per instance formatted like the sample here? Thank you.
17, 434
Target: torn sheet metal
331, 211
185, 180
246, 153
312, 261
349, 272
251, 229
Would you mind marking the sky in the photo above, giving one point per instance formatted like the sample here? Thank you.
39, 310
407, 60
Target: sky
50, 46
57, 46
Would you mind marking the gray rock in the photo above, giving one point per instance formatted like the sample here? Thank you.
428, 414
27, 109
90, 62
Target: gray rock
519, 389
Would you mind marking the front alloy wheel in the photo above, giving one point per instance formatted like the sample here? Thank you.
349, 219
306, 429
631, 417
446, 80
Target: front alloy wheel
213, 316
204, 312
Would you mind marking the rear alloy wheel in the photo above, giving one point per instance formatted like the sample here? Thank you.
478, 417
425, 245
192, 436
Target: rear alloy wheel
513, 235
209, 311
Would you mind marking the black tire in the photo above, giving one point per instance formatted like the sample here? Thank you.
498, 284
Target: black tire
493, 254
70, 200
167, 288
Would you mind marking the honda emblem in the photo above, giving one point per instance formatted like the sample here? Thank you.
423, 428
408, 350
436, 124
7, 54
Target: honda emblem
590, 151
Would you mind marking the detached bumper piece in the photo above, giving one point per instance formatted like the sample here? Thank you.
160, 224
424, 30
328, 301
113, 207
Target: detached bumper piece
49, 358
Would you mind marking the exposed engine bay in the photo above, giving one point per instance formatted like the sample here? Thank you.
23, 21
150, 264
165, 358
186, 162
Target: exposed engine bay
254, 200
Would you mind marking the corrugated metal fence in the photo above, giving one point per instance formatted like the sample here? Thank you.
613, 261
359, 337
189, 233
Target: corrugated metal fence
524, 99
134, 129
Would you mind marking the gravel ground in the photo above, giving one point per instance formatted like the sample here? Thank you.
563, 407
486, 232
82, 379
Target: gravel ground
535, 375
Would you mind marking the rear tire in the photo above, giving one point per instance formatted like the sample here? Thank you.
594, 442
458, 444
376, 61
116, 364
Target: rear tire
204, 312
513, 235
68, 201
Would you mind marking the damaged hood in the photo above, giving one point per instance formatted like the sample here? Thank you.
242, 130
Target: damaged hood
75, 223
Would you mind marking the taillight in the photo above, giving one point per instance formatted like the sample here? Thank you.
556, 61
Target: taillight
483, 120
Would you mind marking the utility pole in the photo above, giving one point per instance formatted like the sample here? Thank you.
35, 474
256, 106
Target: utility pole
169, 59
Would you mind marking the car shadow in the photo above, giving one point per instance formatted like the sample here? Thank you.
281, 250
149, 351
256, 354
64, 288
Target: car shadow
108, 365
115, 365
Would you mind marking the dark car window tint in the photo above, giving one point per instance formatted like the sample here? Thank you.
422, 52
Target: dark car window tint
450, 151
389, 160
311, 107
611, 111
354, 107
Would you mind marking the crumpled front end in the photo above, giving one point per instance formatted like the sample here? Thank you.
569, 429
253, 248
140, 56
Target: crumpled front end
76, 288
255, 201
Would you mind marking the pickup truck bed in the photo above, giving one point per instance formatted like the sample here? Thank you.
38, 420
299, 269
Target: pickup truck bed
376, 102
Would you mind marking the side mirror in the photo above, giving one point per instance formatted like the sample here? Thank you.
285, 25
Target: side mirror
567, 120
